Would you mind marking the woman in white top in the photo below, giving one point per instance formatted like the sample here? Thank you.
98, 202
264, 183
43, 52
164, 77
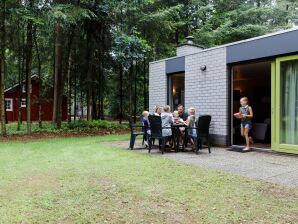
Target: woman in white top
157, 110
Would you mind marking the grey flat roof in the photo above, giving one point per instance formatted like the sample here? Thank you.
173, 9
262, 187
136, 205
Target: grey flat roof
254, 39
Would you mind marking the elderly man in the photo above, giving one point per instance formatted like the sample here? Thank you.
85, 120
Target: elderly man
181, 112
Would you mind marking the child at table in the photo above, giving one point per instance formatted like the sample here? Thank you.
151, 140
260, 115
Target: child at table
178, 120
146, 127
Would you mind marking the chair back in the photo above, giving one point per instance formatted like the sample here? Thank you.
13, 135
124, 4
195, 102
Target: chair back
142, 122
155, 126
203, 125
130, 125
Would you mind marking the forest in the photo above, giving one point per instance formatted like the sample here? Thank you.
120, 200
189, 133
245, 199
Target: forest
97, 52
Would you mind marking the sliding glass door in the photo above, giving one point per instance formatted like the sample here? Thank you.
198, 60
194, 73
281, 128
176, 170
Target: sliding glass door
286, 104
176, 87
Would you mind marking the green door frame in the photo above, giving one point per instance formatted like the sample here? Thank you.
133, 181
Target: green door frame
276, 103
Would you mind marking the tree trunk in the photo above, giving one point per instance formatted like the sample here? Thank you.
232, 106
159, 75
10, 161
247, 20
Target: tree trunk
75, 94
89, 73
135, 94
21, 72
28, 74
144, 85
82, 105
39, 81
69, 86
2, 66
130, 90
102, 116
58, 86
121, 95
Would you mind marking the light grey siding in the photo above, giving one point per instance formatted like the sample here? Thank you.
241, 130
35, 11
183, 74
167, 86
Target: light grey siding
187, 49
207, 91
157, 84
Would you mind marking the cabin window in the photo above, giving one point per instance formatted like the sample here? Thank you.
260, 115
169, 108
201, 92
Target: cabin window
8, 105
23, 103
24, 88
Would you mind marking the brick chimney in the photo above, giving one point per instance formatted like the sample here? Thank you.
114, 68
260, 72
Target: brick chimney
188, 47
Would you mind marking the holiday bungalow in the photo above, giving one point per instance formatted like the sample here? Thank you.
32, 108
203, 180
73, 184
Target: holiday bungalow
14, 93
264, 69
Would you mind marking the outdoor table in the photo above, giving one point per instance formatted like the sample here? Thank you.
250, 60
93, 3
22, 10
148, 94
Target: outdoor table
176, 134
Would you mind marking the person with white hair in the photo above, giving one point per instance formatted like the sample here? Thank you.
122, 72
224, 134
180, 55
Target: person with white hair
191, 123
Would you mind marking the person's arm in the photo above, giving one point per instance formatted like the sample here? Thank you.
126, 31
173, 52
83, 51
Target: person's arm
186, 122
251, 114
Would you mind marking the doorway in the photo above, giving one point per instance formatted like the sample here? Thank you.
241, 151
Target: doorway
253, 80
285, 104
176, 89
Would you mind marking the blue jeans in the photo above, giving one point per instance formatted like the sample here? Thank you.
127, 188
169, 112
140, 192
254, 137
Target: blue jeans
246, 124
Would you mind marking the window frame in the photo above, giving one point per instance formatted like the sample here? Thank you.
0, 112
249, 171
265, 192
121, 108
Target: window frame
11, 104
23, 106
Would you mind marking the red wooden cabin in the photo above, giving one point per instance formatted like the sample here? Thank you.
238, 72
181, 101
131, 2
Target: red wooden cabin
13, 94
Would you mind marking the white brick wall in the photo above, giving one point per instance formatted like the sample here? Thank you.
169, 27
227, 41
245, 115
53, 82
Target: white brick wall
187, 49
157, 84
207, 91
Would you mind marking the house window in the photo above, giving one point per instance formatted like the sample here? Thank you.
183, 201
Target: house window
24, 88
23, 103
8, 105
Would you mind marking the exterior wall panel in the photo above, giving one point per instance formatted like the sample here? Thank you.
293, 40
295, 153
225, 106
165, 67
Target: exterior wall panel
207, 91
271, 46
157, 84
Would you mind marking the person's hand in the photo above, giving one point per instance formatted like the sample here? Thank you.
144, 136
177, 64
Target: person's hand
243, 115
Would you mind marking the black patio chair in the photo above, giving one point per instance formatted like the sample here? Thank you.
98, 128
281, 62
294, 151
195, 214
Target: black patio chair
202, 132
156, 132
134, 133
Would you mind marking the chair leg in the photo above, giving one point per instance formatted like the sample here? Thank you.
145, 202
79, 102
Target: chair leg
185, 139
208, 142
132, 141
196, 145
143, 141
163, 144
150, 144
200, 143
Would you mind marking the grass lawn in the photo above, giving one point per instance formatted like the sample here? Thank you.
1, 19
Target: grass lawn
85, 180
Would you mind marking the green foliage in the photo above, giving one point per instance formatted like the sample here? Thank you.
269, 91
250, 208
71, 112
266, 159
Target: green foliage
95, 124
129, 48
74, 126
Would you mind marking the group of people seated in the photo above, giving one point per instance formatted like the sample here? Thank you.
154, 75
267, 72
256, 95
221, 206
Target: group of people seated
168, 118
